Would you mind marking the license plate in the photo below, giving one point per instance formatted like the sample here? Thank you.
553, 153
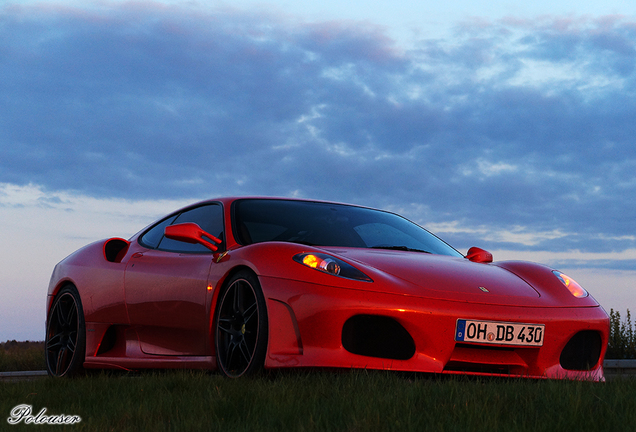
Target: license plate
499, 333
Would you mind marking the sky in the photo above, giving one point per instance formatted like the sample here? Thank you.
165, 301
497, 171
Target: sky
496, 124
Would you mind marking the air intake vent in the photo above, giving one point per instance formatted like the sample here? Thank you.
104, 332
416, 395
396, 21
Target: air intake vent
377, 336
582, 352
115, 249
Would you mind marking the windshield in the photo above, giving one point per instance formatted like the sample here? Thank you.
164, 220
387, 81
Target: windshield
326, 224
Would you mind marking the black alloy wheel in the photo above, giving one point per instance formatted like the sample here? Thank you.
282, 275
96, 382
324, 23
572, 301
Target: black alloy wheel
65, 335
241, 326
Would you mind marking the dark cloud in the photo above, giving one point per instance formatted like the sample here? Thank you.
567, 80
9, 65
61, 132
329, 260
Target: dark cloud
514, 124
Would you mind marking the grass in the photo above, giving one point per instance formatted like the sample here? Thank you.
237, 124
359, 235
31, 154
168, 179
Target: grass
325, 401
317, 400
21, 356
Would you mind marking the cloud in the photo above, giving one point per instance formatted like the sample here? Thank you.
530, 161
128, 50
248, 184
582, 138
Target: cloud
39, 228
521, 129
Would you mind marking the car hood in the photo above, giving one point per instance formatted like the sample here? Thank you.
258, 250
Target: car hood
441, 277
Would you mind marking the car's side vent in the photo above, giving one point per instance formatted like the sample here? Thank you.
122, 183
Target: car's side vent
108, 341
115, 249
377, 336
582, 352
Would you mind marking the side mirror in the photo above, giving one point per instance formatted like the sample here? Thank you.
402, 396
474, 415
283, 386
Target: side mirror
190, 232
478, 255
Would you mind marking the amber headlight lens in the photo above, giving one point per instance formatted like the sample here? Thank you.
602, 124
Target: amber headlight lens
332, 265
576, 289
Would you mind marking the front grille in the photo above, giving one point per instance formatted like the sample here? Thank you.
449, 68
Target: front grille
484, 359
479, 368
377, 336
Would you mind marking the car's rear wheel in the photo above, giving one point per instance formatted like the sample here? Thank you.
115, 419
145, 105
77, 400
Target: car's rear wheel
65, 334
241, 326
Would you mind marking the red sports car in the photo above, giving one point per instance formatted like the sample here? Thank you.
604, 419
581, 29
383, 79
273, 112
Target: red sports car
240, 284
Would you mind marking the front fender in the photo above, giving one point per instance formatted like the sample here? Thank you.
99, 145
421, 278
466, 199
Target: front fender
100, 283
549, 287
275, 260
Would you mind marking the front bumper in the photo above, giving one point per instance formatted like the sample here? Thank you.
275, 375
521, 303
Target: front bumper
306, 324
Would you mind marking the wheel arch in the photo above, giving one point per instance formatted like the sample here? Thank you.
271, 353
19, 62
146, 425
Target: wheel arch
220, 286
234, 270
56, 288
219, 309
59, 339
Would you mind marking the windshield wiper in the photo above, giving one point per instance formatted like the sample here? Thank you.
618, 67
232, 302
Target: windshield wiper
402, 248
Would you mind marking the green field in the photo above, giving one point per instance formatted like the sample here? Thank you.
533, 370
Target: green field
319, 400
21, 356
323, 401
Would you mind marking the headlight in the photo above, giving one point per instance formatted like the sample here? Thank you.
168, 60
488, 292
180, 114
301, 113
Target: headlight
576, 289
331, 265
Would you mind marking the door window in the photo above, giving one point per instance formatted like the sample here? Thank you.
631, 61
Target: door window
209, 217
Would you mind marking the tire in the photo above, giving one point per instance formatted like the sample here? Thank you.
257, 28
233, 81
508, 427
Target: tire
240, 330
65, 343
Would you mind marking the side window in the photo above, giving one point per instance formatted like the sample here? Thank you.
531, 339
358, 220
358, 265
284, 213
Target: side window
209, 217
153, 236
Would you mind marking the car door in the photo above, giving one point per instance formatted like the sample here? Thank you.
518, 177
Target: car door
166, 287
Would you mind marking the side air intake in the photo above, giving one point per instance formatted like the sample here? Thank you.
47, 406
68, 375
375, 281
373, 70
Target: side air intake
582, 352
115, 249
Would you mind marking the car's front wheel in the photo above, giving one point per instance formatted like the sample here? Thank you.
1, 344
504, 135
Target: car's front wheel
65, 334
241, 326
